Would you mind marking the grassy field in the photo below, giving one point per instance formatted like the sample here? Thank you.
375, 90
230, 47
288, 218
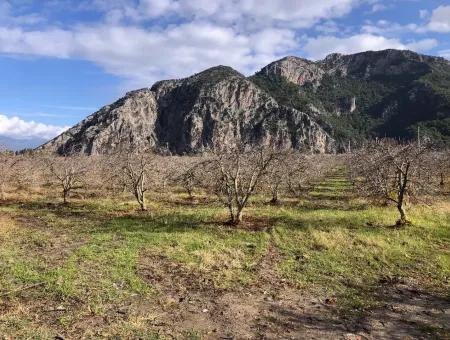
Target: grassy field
329, 265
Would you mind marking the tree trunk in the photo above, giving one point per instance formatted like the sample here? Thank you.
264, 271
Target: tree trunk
401, 210
441, 183
2, 191
65, 195
231, 212
238, 217
274, 199
141, 200
142, 205
190, 193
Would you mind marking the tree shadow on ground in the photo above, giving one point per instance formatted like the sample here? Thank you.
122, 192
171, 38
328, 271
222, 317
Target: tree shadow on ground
147, 222
175, 222
403, 312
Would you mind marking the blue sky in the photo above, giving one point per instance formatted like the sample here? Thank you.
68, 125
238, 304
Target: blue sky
60, 60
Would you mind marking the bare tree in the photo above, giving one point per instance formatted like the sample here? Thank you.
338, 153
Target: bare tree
235, 175
170, 168
136, 167
69, 171
394, 172
189, 173
304, 170
442, 162
299, 174
8, 165
276, 177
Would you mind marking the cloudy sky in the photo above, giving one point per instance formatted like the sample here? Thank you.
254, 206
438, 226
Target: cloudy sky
60, 60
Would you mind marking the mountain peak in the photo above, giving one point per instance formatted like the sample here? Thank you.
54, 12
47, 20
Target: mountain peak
215, 74
294, 69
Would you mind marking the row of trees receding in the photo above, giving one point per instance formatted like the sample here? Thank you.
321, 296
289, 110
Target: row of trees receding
384, 170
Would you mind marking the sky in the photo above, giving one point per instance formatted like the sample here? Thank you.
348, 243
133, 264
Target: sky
61, 60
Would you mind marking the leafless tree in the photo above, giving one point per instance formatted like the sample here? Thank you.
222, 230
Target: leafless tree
169, 169
235, 175
189, 172
394, 172
304, 170
136, 167
299, 174
69, 171
442, 164
8, 167
276, 177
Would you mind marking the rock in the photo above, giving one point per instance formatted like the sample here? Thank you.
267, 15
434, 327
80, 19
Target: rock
216, 107
296, 70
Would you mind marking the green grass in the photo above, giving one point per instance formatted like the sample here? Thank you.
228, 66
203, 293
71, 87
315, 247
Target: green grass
86, 256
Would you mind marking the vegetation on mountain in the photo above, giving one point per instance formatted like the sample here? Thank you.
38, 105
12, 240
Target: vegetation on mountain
395, 92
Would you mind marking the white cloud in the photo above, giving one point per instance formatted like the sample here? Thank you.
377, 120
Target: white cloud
440, 20
445, 54
148, 40
423, 13
50, 43
9, 17
15, 127
387, 27
193, 35
422, 45
145, 55
320, 47
327, 27
379, 7
242, 13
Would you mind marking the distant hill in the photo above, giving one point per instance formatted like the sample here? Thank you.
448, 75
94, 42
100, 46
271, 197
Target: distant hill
295, 103
20, 144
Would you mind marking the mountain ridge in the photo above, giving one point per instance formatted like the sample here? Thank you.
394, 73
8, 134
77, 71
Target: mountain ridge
216, 107
369, 94
292, 102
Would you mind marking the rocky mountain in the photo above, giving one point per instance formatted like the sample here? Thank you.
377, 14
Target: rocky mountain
371, 94
216, 107
320, 106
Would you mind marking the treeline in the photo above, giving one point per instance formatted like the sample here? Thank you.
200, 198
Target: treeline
385, 171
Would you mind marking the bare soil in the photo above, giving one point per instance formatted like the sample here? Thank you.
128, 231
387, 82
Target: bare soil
271, 309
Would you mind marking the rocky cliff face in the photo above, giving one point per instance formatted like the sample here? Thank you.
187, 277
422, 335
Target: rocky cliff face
296, 70
384, 93
216, 107
366, 65
129, 122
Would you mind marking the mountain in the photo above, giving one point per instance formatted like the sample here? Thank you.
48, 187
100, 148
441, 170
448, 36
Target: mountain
320, 106
15, 144
216, 107
371, 94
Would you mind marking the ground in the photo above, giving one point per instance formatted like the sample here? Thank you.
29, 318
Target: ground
328, 266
